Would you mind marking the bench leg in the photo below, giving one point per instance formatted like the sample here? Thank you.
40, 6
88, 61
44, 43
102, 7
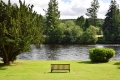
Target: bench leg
51, 70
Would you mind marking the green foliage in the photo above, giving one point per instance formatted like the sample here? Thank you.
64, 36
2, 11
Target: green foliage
87, 24
89, 36
80, 21
92, 12
52, 20
101, 54
19, 28
70, 32
111, 26
73, 34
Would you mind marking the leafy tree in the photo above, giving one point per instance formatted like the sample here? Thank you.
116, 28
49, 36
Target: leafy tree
60, 33
52, 20
19, 28
72, 33
68, 31
89, 36
80, 21
111, 26
92, 12
69, 23
77, 33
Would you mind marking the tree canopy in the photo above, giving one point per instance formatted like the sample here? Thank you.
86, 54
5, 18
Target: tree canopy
19, 28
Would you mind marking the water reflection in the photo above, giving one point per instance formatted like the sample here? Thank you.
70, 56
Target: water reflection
65, 52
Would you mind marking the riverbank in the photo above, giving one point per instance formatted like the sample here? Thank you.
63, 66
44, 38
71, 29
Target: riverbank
40, 70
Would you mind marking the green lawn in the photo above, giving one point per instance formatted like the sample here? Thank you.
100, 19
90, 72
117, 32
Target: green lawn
40, 70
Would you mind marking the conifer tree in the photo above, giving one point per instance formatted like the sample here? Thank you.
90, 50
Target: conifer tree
52, 20
19, 28
92, 12
111, 26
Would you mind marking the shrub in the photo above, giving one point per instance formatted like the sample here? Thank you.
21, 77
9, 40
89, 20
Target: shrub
101, 54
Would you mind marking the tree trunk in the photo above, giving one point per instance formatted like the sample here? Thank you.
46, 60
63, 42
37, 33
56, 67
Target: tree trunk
6, 61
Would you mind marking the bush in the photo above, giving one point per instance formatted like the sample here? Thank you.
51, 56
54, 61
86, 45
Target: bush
101, 54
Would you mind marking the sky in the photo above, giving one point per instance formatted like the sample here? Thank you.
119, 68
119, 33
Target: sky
69, 9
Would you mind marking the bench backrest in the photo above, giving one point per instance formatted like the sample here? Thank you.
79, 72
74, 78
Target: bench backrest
60, 66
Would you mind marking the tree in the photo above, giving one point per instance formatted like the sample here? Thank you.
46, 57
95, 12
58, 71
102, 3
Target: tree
92, 12
89, 36
111, 26
19, 28
80, 21
60, 33
72, 32
87, 24
52, 20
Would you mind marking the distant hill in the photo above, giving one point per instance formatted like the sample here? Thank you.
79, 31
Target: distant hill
100, 21
63, 20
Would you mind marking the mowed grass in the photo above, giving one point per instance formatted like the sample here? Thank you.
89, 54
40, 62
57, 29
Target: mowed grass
40, 70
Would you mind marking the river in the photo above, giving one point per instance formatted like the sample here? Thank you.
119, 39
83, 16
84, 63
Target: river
65, 52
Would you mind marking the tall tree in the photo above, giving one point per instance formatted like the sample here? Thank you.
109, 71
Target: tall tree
92, 12
52, 20
111, 26
19, 28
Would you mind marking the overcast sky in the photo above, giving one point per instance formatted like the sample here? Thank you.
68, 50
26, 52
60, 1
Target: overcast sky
69, 9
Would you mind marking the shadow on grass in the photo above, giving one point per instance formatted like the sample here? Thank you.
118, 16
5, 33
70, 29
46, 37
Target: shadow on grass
89, 62
2, 66
118, 64
59, 72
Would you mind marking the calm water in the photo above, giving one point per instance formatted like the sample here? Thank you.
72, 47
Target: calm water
65, 52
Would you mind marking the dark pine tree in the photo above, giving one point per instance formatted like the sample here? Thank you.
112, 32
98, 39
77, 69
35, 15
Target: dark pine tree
52, 21
111, 24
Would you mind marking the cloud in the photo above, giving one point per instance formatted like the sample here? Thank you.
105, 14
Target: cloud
103, 9
39, 5
69, 9
12, 1
74, 8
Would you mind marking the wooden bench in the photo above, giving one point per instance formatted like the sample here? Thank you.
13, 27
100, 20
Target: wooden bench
60, 67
